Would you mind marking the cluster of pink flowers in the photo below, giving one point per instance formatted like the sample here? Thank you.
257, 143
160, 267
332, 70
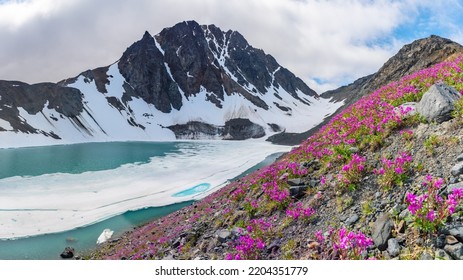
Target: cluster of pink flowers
345, 244
454, 199
351, 173
251, 206
275, 192
297, 211
393, 171
429, 209
250, 246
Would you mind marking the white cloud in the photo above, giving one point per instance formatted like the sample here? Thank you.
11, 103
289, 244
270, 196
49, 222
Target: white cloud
334, 41
14, 14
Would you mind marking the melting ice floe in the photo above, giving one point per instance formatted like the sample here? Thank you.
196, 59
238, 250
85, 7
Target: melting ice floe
105, 236
59, 202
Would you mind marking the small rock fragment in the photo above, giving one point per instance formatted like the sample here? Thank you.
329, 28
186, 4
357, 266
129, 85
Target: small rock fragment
352, 220
456, 251
457, 169
450, 240
68, 253
393, 247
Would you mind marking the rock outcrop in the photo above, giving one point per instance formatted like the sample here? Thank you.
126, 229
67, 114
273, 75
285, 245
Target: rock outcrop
438, 102
234, 129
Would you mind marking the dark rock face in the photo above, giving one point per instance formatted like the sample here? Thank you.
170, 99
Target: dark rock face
241, 129
190, 58
34, 98
142, 65
297, 191
234, 129
194, 130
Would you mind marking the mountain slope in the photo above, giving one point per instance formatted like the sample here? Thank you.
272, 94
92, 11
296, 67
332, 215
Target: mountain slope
375, 183
187, 82
410, 58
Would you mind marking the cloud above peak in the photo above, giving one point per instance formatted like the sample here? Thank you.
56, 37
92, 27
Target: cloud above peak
326, 43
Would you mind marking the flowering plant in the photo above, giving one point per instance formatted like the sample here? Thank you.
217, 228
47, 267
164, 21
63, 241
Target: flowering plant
252, 242
297, 211
351, 173
344, 244
430, 210
393, 172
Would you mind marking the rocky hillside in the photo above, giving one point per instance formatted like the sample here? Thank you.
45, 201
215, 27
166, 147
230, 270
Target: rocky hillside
189, 81
412, 57
382, 180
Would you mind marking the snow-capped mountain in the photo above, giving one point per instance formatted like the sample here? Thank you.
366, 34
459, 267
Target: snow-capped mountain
187, 82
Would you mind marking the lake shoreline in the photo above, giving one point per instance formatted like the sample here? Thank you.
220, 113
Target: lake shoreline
167, 199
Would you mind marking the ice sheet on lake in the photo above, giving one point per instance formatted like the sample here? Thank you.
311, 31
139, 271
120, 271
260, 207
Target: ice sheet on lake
59, 202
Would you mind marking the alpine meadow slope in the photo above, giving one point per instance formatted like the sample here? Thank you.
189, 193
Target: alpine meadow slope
410, 58
378, 181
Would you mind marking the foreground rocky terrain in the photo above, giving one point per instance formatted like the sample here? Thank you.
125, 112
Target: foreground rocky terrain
382, 180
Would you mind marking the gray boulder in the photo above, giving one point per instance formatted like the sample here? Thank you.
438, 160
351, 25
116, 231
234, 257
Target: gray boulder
352, 219
426, 257
295, 182
456, 251
393, 247
457, 232
442, 255
410, 107
382, 231
223, 235
68, 253
457, 169
460, 157
437, 103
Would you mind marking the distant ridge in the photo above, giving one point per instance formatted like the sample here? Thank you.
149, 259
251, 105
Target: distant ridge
412, 57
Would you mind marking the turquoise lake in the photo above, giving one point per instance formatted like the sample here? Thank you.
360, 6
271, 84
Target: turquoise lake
92, 157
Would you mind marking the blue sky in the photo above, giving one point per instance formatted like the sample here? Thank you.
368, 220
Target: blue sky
326, 43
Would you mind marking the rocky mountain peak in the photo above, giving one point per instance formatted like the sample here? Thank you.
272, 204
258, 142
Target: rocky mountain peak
188, 81
410, 58
415, 56
142, 65
189, 58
